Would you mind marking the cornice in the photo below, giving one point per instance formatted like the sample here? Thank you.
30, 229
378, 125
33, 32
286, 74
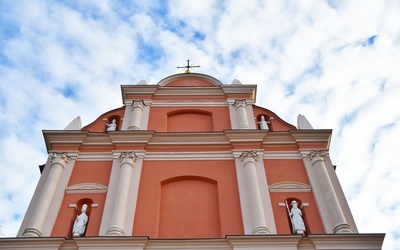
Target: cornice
303, 136
69, 138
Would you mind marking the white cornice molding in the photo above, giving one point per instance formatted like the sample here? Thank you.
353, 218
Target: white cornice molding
164, 156
289, 186
86, 188
95, 156
188, 104
282, 155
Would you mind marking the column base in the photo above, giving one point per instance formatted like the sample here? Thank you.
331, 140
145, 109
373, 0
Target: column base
32, 232
115, 231
261, 230
342, 228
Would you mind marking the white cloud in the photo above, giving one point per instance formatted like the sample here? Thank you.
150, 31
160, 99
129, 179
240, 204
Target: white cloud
334, 61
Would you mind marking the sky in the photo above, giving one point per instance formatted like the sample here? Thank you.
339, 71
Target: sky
337, 62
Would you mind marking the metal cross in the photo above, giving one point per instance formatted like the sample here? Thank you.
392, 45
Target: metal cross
188, 67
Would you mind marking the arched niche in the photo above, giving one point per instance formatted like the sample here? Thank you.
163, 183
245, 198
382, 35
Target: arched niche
190, 120
288, 202
189, 208
77, 211
109, 120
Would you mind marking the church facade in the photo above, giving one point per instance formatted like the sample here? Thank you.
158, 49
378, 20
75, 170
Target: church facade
189, 163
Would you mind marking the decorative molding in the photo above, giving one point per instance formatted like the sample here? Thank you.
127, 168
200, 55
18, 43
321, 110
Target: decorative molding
164, 156
128, 155
240, 103
189, 104
86, 188
289, 186
314, 153
138, 104
247, 154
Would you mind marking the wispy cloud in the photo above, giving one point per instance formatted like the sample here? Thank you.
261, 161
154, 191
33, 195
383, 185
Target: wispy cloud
334, 61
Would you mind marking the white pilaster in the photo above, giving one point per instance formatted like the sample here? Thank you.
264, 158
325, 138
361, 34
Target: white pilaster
121, 200
332, 215
35, 225
137, 111
240, 106
250, 197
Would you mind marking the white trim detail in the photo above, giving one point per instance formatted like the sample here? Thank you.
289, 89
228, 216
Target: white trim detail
289, 186
163, 156
86, 188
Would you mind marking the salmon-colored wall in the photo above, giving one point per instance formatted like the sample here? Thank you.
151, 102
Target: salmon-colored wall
66, 216
279, 170
99, 125
158, 120
189, 121
310, 213
190, 205
276, 124
155, 173
84, 172
283, 170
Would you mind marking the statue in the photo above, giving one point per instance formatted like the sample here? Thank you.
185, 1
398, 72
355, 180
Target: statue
296, 218
263, 123
80, 222
112, 126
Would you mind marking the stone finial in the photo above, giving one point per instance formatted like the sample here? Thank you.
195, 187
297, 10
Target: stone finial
303, 123
142, 82
236, 82
75, 124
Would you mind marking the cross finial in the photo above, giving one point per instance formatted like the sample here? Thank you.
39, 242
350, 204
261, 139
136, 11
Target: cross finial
188, 67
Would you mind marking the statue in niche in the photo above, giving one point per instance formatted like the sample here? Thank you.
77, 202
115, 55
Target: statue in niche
112, 126
295, 214
263, 123
80, 222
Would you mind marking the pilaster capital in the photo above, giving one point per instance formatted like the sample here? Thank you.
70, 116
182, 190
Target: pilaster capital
316, 153
249, 154
128, 157
240, 103
138, 104
59, 158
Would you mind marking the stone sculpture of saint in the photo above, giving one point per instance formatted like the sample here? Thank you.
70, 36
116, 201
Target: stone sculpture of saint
263, 123
296, 218
80, 222
112, 126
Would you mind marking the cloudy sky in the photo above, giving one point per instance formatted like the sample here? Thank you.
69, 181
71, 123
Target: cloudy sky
335, 61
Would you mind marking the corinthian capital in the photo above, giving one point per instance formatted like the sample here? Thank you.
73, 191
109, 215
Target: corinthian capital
60, 158
316, 153
248, 154
127, 156
240, 103
138, 104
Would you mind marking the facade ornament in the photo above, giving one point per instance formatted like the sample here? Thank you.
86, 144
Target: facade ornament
138, 104
315, 153
80, 222
127, 156
295, 214
112, 126
263, 123
240, 103
60, 158
248, 154
137, 110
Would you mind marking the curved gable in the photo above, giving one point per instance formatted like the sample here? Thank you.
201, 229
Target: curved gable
192, 79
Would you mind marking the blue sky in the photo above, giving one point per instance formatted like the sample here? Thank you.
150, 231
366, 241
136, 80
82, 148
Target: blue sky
336, 62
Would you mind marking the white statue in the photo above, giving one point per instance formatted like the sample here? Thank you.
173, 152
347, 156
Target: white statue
296, 218
263, 123
80, 222
112, 126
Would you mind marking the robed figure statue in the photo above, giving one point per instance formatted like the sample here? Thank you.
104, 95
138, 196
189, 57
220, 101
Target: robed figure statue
80, 222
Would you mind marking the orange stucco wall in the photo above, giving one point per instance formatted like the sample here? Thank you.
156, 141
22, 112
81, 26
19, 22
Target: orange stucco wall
158, 120
83, 172
282, 170
191, 189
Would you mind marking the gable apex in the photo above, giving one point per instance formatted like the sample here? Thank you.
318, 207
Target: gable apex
191, 79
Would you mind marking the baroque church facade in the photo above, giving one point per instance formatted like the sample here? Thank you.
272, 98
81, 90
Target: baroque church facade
189, 163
